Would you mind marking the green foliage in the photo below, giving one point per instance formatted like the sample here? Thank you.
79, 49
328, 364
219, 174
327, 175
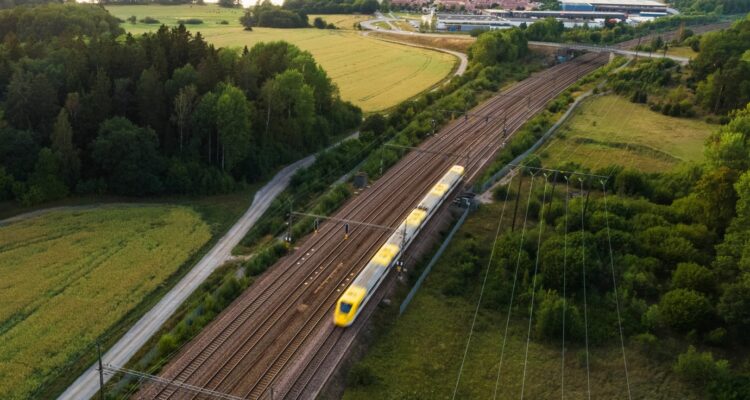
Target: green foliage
126, 156
498, 46
700, 368
205, 134
190, 21
734, 305
149, 20
268, 15
720, 69
694, 277
334, 7
549, 318
361, 375
48, 21
684, 309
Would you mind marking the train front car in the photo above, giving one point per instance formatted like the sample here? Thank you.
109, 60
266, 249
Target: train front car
357, 294
364, 285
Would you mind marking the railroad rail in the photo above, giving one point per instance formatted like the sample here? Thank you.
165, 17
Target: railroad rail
278, 335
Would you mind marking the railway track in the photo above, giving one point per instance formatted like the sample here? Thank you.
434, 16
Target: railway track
278, 334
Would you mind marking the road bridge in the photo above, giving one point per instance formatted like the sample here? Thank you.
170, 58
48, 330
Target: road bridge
609, 49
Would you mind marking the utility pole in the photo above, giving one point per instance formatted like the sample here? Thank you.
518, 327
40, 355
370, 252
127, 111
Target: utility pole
518, 196
289, 225
101, 370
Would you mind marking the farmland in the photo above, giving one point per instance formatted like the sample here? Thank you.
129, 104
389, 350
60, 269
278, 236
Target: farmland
610, 128
370, 73
69, 276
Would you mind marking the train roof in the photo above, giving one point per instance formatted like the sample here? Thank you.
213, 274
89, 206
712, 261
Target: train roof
457, 169
385, 255
353, 294
416, 216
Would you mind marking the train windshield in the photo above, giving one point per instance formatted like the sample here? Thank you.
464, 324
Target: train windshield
345, 308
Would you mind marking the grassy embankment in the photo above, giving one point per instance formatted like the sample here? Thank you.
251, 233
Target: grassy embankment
372, 74
70, 276
610, 129
418, 355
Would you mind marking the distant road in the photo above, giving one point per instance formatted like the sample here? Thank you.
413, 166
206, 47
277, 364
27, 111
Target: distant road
619, 48
369, 25
87, 385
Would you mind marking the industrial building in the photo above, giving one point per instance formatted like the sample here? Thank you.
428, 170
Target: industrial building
650, 7
469, 22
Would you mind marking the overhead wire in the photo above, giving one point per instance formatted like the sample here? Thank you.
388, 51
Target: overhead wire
515, 279
533, 285
564, 299
585, 305
484, 282
614, 284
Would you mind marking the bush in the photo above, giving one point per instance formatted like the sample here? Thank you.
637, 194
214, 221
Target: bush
167, 344
223, 22
190, 21
700, 368
684, 309
361, 375
549, 323
501, 192
149, 20
693, 276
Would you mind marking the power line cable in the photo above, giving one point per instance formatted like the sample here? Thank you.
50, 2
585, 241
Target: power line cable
565, 301
614, 284
515, 279
585, 305
481, 292
533, 285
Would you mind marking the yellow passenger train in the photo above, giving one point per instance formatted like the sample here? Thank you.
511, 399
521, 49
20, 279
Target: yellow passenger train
364, 285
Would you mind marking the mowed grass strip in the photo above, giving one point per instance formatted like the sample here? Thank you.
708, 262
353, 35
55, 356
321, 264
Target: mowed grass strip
419, 356
370, 73
66, 277
609, 129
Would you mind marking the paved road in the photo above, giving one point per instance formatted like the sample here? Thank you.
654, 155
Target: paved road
87, 385
616, 50
463, 61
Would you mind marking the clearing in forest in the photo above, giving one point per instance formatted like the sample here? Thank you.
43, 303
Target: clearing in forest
610, 129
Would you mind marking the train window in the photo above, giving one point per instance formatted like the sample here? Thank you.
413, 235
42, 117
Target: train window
345, 308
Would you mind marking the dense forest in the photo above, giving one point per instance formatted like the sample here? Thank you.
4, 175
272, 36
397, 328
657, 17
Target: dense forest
268, 15
87, 109
674, 243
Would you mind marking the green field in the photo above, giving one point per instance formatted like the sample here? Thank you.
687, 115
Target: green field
419, 356
610, 129
370, 73
681, 51
68, 276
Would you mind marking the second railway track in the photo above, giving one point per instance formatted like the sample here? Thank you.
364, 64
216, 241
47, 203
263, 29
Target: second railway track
278, 333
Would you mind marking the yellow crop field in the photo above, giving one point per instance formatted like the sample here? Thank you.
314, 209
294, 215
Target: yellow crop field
370, 73
68, 276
